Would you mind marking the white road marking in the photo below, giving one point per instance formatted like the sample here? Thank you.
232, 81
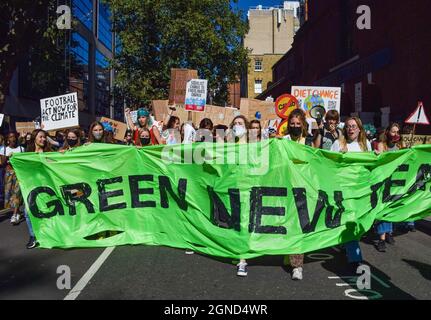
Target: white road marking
77, 289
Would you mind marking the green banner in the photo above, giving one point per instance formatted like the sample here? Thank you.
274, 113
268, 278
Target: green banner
231, 200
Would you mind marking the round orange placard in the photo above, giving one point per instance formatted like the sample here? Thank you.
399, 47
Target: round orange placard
285, 104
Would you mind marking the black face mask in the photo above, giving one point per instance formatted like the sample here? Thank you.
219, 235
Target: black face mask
72, 142
295, 131
145, 141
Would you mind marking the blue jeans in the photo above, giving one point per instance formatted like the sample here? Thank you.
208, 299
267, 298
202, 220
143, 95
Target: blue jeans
384, 227
353, 251
30, 228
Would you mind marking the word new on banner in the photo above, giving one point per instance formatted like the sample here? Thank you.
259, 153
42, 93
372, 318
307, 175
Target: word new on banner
59, 112
196, 95
230, 200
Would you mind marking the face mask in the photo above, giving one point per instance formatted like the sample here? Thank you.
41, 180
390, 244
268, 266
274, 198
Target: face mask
238, 131
98, 136
396, 138
295, 131
145, 141
72, 142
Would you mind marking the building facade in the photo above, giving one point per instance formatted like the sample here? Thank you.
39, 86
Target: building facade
270, 36
383, 71
81, 65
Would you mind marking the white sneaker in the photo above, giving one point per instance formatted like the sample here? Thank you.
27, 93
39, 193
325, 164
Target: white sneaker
241, 270
189, 252
13, 219
297, 274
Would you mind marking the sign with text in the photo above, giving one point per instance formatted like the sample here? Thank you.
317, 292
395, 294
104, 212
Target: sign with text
24, 127
309, 97
196, 95
59, 112
120, 128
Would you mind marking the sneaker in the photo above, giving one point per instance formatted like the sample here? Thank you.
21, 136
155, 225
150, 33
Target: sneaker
411, 228
390, 239
13, 219
189, 252
241, 270
297, 274
381, 246
32, 243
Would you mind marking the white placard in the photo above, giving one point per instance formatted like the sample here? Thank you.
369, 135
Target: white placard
196, 95
59, 112
308, 97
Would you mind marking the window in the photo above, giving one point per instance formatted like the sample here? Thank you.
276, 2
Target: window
257, 86
83, 11
79, 58
258, 65
103, 83
104, 32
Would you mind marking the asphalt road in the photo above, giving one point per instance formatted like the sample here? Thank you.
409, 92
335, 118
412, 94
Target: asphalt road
146, 272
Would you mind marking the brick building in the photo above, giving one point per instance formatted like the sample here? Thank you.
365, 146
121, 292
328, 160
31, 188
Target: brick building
383, 71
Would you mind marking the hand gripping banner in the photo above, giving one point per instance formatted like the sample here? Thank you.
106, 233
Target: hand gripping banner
228, 200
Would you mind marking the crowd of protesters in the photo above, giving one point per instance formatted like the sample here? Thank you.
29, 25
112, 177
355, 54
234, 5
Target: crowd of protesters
329, 135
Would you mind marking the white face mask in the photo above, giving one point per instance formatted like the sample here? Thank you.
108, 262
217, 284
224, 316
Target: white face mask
238, 131
98, 135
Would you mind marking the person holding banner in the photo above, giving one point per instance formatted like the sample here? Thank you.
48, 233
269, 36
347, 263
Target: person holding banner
205, 133
297, 129
391, 141
13, 197
353, 139
329, 133
38, 143
171, 134
238, 130
144, 138
96, 133
255, 131
73, 140
144, 121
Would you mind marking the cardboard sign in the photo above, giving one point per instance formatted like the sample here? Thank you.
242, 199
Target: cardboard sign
120, 128
24, 127
417, 139
196, 95
59, 112
179, 79
308, 97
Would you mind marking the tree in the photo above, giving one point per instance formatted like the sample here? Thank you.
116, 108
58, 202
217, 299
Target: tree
157, 35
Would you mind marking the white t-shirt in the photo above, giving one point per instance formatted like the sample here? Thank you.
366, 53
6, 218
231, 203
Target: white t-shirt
189, 133
351, 147
9, 150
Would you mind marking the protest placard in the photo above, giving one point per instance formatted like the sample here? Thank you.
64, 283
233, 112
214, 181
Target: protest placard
196, 95
309, 97
24, 127
59, 112
120, 128
179, 79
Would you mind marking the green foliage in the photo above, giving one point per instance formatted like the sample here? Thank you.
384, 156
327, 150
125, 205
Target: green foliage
157, 35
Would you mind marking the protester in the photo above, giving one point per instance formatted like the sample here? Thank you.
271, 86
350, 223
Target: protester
272, 132
171, 134
205, 132
353, 139
38, 143
330, 133
255, 131
96, 134
144, 138
144, 121
13, 197
297, 128
109, 132
128, 138
219, 133
73, 140
238, 130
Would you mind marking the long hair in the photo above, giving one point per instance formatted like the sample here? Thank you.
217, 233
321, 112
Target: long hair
243, 118
90, 132
32, 144
77, 133
385, 139
298, 113
171, 122
259, 134
138, 143
362, 137
206, 123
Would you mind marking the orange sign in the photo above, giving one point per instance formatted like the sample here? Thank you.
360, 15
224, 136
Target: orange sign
282, 128
285, 104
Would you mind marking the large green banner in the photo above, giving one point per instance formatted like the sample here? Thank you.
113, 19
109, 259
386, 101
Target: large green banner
229, 200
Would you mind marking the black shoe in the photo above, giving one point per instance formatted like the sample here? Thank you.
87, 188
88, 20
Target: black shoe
411, 228
32, 243
353, 267
381, 246
390, 239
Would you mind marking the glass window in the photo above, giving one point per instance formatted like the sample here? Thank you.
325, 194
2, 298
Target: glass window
79, 57
258, 65
257, 86
103, 81
104, 27
83, 11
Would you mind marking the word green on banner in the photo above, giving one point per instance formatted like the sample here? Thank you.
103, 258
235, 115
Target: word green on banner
229, 200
